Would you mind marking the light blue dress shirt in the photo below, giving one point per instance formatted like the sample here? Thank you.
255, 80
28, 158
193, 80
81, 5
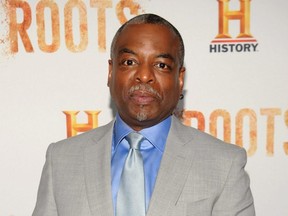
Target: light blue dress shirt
152, 149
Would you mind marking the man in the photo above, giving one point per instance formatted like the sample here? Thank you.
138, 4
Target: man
186, 172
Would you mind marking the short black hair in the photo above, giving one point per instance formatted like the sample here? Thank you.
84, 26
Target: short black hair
151, 19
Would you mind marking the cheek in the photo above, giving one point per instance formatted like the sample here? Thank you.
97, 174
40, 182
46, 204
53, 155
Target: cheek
171, 87
172, 93
119, 88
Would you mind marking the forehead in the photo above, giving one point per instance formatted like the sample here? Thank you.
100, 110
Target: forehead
157, 36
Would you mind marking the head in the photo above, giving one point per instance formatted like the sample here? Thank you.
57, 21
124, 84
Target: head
146, 73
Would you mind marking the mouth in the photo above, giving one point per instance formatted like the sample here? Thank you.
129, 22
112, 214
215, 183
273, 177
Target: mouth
142, 97
143, 94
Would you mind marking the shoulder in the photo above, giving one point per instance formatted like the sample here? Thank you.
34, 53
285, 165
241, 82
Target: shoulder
76, 144
205, 144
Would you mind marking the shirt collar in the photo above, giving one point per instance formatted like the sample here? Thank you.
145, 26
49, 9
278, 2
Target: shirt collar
156, 135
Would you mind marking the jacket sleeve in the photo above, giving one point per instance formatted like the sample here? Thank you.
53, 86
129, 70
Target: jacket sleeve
45, 205
236, 198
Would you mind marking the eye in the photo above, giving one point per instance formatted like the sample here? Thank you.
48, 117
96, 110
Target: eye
163, 66
129, 62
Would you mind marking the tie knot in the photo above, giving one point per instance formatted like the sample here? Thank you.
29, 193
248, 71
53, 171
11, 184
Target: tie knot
134, 140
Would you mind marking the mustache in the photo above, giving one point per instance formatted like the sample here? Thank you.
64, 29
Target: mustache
145, 87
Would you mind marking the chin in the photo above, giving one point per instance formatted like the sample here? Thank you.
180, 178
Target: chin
142, 116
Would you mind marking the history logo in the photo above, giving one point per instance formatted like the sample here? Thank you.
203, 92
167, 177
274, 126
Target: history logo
224, 42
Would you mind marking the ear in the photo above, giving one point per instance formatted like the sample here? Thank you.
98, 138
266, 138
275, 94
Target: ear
110, 65
181, 78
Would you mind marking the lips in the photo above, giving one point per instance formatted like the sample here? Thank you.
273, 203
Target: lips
143, 94
142, 97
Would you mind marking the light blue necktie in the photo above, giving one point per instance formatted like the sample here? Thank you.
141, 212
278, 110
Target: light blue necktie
131, 193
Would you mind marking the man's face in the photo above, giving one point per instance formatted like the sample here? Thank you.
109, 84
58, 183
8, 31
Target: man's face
145, 76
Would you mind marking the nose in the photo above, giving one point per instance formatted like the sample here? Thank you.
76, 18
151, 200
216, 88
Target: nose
145, 74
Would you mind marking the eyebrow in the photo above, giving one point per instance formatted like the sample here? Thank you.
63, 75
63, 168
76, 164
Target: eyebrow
162, 55
166, 55
126, 50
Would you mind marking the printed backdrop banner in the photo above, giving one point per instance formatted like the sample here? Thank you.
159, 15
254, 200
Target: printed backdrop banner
53, 73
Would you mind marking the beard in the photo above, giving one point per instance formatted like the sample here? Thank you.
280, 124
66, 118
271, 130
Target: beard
142, 116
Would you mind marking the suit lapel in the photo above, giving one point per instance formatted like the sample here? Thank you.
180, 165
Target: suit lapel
173, 172
97, 159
